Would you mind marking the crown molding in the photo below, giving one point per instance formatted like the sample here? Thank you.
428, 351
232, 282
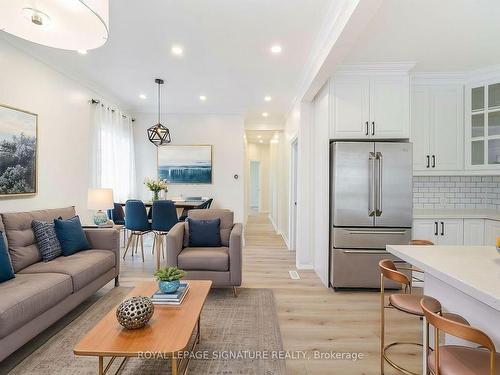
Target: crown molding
376, 68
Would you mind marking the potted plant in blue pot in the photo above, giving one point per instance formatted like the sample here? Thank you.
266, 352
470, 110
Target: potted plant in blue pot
169, 279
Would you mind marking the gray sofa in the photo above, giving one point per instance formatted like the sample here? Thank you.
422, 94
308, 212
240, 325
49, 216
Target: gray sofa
43, 292
222, 265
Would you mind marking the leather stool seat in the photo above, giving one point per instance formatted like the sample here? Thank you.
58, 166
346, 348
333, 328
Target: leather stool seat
463, 360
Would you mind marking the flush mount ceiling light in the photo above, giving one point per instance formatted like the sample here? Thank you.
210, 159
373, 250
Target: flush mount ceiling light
64, 24
203, 98
265, 114
276, 49
177, 50
158, 134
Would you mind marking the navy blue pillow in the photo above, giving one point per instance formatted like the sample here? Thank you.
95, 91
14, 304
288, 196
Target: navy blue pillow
204, 233
6, 272
71, 235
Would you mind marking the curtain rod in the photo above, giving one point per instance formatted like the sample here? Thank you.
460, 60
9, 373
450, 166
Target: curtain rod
96, 101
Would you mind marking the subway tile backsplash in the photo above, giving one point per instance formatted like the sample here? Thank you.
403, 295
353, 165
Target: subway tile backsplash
456, 192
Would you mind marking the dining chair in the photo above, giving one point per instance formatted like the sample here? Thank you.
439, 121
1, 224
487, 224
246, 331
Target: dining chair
136, 221
407, 303
164, 218
455, 359
204, 206
118, 216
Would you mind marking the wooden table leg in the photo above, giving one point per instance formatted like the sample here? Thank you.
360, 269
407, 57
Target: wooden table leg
101, 365
199, 330
174, 364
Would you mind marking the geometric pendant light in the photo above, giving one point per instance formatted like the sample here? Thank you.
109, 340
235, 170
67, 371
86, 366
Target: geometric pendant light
158, 134
64, 24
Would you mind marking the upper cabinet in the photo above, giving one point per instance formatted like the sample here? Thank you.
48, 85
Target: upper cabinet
482, 125
372, 106
437, 127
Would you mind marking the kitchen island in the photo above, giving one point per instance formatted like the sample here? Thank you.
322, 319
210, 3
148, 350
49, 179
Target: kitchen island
465, 279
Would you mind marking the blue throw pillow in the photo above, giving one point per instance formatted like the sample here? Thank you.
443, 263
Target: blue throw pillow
71, 235
46, 239
204, 233
6, 272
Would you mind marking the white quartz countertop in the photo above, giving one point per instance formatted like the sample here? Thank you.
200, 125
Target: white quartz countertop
419, 213
474, 270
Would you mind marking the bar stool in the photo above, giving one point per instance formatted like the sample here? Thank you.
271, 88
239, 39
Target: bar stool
458, 360
407, 303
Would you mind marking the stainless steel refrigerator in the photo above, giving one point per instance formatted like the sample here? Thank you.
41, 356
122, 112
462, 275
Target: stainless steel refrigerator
371, 204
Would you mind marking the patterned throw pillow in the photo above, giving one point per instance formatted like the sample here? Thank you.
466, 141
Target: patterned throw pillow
46, 239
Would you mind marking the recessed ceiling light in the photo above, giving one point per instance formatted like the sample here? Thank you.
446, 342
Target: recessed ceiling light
82, 51
259, 136
267, 98
261, 141
265, 114
177, 50
142, 96
276, 49
203, 98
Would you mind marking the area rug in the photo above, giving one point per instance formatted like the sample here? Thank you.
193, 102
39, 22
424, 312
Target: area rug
239, 333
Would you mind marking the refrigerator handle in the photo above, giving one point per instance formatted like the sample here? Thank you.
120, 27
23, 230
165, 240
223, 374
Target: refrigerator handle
378, 205
371, 185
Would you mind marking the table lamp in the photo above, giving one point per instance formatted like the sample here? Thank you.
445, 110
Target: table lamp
99, 200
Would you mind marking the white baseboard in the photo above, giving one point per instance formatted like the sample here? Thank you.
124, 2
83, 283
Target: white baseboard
273, 223
304, 266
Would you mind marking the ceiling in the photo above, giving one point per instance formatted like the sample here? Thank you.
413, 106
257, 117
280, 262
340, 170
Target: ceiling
444, 35
261, 136
226, 54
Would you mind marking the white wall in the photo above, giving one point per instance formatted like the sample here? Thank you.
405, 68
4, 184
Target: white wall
63, 109
260, 152
224, 132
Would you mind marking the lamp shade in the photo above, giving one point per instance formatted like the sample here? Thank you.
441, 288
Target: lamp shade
64, 24
100, 199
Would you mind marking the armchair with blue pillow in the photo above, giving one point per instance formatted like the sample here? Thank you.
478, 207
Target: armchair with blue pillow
208, 246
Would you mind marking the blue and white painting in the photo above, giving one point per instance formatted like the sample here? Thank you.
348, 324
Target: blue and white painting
17, 152
185, 164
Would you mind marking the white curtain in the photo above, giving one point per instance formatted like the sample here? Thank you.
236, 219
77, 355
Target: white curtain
112, 160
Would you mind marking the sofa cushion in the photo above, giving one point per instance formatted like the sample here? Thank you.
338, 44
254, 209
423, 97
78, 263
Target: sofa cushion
71, 235
21, 238
46, 240
226, 222
204, 233
6, 271
29, 295
83, 267
204, 258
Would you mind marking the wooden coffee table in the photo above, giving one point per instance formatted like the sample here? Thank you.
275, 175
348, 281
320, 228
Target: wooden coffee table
168, 332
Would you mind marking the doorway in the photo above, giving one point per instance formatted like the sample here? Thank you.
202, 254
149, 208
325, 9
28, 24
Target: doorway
254, 185
294, 161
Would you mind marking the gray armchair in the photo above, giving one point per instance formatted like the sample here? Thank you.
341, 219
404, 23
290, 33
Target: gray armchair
222, 265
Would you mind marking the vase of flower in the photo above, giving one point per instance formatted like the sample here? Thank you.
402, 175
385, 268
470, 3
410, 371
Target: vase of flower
169, 279
155, 186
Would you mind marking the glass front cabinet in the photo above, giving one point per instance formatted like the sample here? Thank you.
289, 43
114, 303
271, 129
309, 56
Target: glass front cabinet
482, 126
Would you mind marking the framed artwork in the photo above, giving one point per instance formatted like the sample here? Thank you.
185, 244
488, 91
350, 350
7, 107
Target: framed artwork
18, 152
185, 164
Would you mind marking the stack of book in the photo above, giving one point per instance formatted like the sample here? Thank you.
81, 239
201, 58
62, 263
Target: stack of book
175, 298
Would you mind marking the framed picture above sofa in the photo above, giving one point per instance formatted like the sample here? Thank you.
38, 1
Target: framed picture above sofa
191, 164
18, 152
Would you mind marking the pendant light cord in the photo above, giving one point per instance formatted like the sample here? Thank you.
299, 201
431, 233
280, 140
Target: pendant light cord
159, 102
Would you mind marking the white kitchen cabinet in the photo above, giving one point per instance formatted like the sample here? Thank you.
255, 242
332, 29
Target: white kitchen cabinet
370, 106
491, 232
389, 107
439, 231
473, 232
437, 127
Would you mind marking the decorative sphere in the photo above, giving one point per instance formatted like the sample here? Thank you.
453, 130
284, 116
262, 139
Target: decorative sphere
135, 312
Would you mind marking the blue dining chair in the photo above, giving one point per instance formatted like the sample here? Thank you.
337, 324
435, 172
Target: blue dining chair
204, 206
118, 216
136, 221
164, 216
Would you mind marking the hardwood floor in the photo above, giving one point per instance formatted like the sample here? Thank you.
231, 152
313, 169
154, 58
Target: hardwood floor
312, 318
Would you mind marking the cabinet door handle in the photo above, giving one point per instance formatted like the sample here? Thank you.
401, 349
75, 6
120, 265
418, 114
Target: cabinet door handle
373, 127
366, 123
433, 161
442, 228
436, 228
428, 161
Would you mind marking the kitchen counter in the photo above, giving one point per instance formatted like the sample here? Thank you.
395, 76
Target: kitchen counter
453, 213
464, 279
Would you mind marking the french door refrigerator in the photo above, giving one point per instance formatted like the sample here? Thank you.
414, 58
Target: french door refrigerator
371, 202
